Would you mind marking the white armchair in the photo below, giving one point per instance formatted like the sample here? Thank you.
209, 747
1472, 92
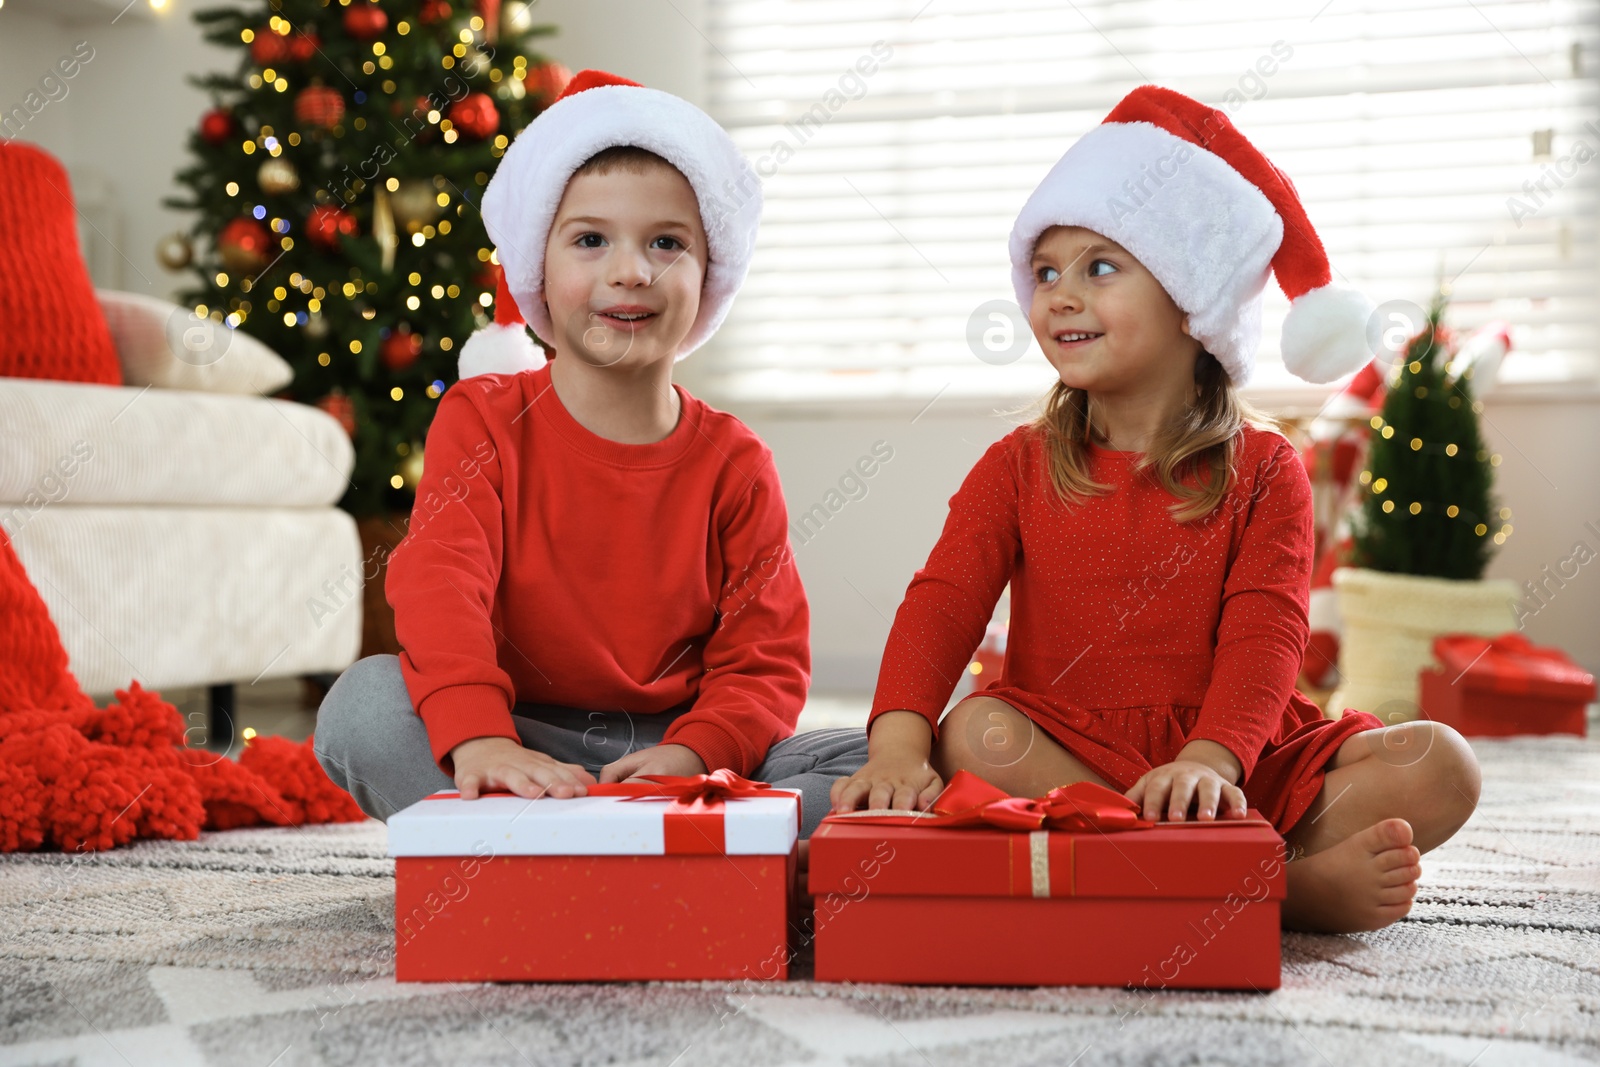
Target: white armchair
181, 531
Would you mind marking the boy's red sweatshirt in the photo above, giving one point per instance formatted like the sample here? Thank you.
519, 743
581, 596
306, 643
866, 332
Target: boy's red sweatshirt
550, 565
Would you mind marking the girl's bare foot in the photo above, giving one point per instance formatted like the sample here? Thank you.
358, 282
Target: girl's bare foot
1365, 882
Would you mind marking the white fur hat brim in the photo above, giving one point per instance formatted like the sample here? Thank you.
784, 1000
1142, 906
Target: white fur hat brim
1206, 233
520, 202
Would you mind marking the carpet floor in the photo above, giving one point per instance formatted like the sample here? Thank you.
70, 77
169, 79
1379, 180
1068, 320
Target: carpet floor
273, 948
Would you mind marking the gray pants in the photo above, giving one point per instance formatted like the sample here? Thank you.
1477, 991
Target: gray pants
373, 744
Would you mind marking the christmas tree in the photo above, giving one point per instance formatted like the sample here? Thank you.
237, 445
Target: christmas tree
1428, 509
337, 179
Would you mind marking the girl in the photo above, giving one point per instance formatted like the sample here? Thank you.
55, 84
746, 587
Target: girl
1157, 535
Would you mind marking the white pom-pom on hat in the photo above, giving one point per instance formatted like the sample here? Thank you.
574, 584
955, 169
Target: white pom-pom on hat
1325, 333
1175, 183
503, 347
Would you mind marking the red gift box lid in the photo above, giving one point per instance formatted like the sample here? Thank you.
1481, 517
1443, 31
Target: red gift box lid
1173, 860
1512, 665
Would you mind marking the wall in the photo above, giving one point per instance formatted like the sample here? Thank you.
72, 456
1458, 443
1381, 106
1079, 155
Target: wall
122, 126
125, 120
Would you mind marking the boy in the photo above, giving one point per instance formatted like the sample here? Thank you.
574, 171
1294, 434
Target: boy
597, 582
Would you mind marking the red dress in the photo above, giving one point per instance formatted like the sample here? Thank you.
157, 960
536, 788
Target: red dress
1131, 634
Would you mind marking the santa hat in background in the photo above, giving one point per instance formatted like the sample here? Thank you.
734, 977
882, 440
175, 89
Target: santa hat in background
597, 111
1177, 185
1482, 354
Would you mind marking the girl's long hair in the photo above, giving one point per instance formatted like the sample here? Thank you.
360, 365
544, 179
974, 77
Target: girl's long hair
1192, 457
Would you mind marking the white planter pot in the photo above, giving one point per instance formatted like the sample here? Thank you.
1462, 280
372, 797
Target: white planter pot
1388, 623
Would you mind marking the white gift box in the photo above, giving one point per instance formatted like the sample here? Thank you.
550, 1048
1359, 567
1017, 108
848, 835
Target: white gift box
445, 825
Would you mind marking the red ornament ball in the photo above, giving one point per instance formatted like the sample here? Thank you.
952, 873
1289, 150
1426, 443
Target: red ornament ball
245, 245
304, 46
342, 408
400, 349
475, 116
433, 11
545, 82
319, 105
218, 126
326, 224
365, 21
268, 48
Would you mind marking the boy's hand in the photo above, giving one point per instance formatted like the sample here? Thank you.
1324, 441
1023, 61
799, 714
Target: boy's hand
1168, 790
486, 763
896, 780
657, 759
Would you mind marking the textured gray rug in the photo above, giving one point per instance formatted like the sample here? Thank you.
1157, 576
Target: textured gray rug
273, 947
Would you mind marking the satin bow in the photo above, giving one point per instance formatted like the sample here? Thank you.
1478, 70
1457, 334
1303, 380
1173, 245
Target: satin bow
969, 801
704, 789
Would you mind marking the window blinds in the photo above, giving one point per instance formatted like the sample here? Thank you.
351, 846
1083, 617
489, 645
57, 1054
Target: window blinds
896, 139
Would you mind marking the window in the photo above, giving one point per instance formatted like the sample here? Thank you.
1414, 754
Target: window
898, 138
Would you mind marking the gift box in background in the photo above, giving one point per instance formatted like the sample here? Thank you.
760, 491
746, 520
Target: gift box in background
1497, 687
668, 878
988, 894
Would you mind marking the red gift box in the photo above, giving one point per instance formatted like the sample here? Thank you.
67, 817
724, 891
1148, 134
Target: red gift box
1072, 888
667, 878
1497, 687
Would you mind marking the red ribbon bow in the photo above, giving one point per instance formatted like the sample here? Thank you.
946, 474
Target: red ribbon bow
969, 801
703, 789
693, 824
1515, 664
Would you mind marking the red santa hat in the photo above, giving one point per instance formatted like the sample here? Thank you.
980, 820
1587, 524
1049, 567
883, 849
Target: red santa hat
1177, 185
597, 111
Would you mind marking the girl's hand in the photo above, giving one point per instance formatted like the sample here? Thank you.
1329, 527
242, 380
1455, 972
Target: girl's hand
487, 763
657, 759
1170, 788
895, 780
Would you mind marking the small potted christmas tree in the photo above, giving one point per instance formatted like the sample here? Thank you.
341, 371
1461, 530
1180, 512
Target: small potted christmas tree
1427, 528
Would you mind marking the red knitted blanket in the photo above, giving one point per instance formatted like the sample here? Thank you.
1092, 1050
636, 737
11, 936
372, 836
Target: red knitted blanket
75, 776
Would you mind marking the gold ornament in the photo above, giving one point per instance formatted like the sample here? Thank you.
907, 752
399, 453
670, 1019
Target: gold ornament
411, 467
383, 226
278, 176
174, 251
415, 203
516, 20
476, 59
